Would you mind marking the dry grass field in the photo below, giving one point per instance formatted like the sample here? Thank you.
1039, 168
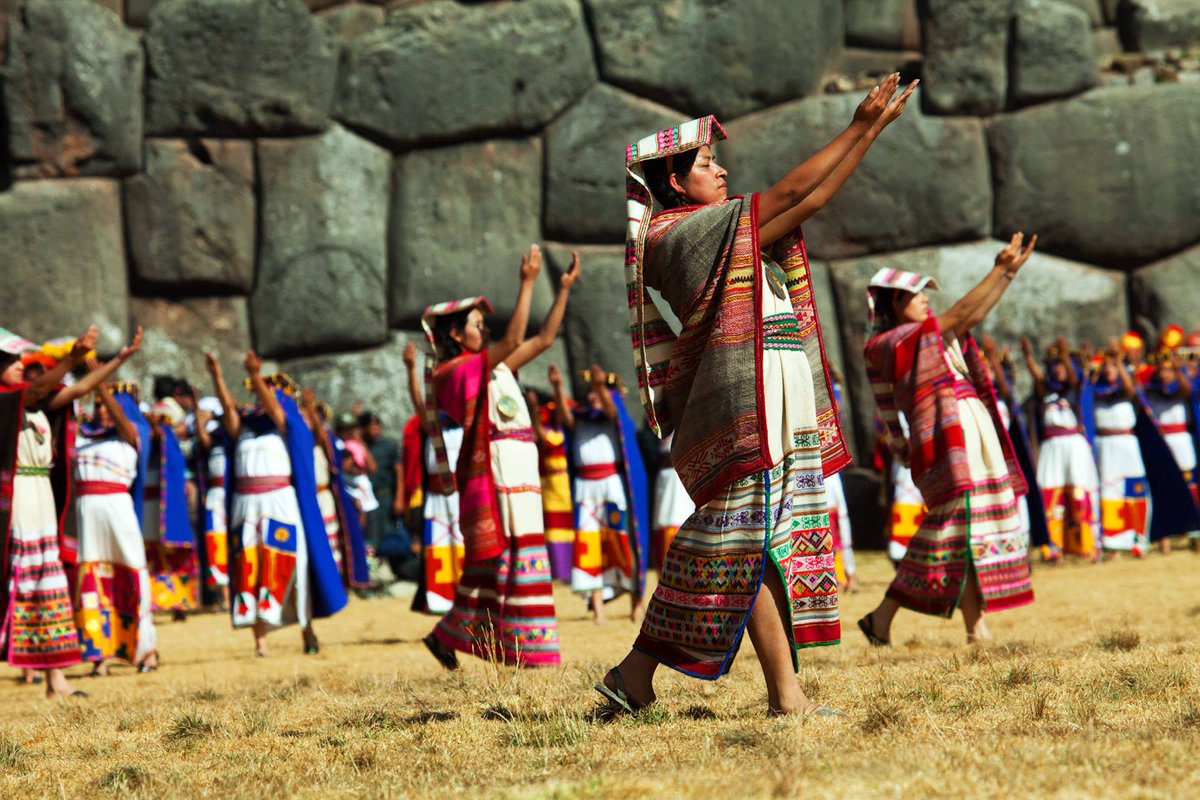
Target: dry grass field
1094, 691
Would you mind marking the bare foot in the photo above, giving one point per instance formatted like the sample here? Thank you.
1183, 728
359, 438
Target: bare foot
637, 611
57, 685
99, 670
981, 634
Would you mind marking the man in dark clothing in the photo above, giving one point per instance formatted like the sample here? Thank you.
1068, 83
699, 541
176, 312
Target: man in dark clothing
388, 475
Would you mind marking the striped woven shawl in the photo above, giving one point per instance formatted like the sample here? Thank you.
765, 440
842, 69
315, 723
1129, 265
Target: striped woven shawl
705, 260
908, 371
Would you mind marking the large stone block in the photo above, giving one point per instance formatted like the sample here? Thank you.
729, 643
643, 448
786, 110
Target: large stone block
376, 377
1092, 8
924, 181
64, 260
711, 57
443, 71
190, 215
1050, 296
585, 158
322, 275
1133, 193
886, 24
137, 12
462, 217
238, 68
597, 320
73, 91
1169, 291
1054, 54
965, 44
1155, 25
177, 334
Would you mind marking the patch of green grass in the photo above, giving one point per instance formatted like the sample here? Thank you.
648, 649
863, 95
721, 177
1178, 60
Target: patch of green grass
13, 755
1121, 639
882, 716
125, 778
191, 726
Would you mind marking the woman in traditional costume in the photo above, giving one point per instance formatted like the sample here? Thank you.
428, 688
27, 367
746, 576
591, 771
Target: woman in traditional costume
167, 528
36, 448
1124, 490
113, 610
210, 433
282, 569
1066, 466
558, 505
609, 558
745, 387
970, 551
1170, 396
504, 604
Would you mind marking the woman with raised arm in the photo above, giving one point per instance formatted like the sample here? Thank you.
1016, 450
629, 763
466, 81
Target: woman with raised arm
745, 388
37, 436
1124, 489
114, 609
281, 568
1066, 467
970, 550
504, 604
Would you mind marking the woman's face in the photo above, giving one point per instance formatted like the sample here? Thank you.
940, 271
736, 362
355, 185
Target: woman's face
472, 337
911, 307
1110, 372
103, 418
1058, 371
705, 184
14, 373
1167, 374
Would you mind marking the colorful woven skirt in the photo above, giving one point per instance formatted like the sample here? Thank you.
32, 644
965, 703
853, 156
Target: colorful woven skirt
777, 519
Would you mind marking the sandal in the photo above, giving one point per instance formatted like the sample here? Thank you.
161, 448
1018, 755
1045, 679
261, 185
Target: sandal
445, 656
618, 699
866, 625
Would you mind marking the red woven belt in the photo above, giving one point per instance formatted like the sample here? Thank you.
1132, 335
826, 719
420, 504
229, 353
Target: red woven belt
597, 472
1114, 431
262, 484
84, 488
1175, 427
1057, 431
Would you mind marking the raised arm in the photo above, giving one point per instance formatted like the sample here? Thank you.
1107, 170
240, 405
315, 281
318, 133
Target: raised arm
535, 417
414, 384
93, 379
600, 387
1035, 369
975, 304
534, 346
125, 429
267, 400
561, 412
798, 184
49, 380
531, 265
230, 417
1128, 387
792, 218
202, 419
1064, 358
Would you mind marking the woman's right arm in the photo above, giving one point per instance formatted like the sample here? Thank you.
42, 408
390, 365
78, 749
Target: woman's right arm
125, 429
414, 384
1035, 370
798, 184
975, 304
41, 388
230, 417
565, 418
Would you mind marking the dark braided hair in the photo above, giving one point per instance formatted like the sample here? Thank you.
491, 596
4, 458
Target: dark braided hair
443, 326
658, 176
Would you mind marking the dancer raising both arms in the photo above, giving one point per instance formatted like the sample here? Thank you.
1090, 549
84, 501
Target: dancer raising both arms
36, 435
970, 550
504, 604
746, 389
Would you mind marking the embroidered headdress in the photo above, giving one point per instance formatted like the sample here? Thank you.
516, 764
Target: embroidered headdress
429, 318
14, 345
652, 351
278, 380
888, 278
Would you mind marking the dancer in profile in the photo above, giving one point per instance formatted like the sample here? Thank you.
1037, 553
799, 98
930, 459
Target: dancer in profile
504, 603
970, 551
745, 386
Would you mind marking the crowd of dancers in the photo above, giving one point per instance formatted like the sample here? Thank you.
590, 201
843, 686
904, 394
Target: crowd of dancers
117, 506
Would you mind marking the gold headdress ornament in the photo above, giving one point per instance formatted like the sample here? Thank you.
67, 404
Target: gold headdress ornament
612, 380
130, 388
278, 380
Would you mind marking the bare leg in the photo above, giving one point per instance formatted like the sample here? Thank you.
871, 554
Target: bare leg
882, 616
768, 631
637, 606
598, 605
311, 645
1164, 546
260, 639
971, 605
637, 670
57, 684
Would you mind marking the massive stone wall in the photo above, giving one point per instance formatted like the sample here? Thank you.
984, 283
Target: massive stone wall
304, 176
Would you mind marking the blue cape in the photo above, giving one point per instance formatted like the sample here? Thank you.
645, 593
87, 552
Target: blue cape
636, 487
1039, 530
177, 530
358, 573
325, 584
129, 405
1174, 511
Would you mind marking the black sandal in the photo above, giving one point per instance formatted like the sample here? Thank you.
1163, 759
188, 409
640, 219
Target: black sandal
866, 625
445, 656
619, 700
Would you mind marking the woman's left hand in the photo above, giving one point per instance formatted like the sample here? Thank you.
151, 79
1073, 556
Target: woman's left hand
1013, 257
876, 101
571, 275
895, 108
133, 347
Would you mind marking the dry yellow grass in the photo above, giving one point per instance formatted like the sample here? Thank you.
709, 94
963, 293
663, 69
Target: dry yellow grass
1094, 691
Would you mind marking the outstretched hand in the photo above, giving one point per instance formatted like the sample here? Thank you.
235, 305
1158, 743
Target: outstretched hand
555, 375
896, 107
531, 264
213, 366
252, 363
571, 275
1013, 257
133, 347
85, 343
876, 101
410, 355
